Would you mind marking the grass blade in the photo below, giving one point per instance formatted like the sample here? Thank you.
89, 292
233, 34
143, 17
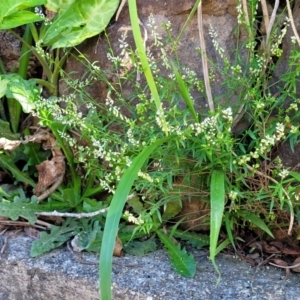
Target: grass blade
217, 202
114, 215
134, 19
185, 94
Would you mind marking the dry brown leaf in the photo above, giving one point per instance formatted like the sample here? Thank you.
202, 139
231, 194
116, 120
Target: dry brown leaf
118, 247
289, 251
32, 232
49, 172
8, 144
296, 262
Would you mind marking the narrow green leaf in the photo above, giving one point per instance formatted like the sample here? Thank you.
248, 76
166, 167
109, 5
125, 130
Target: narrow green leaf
114, 215
217, 203
185, 94
251, 217
228, 229
182, 262
144, 61
7, 163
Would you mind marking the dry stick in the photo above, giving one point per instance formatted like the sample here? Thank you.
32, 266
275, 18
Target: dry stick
272, 20
204, 59
292, 21
79, 215
120, 9
265, 13
73, 215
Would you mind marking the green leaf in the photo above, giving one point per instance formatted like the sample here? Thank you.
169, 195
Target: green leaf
7, 163
195, 239
136, 205
185, 94
14, 211
19, 18
172, 209
8, 7
141, 52
35, 155
54, 239
129, 232
114, 215
3, 86
80, 20
89, 240
251, 217
182, 262
58, 5
217, 203
6, 132
140, 248
24, 91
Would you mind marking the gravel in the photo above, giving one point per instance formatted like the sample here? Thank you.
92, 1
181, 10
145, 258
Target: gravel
60, 275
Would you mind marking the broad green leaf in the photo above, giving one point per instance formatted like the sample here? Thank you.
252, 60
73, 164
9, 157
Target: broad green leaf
58, 5
24, 91
129, 232
251, 217
217, 203
81, 20
16, 210
140, 248
3, 86
195, 239
182, 262
136, 205
8, 7
54, 239
19, 18
171, 210
114, 215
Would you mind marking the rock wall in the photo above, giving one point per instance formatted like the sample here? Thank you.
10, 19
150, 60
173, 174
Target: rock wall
220, 15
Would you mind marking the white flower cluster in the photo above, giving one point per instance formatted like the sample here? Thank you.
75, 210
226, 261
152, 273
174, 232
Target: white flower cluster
132, 219
265, 145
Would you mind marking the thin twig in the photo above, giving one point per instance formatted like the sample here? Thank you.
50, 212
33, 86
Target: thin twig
204, 59
272, 20
73, 215
292, 21
265, 13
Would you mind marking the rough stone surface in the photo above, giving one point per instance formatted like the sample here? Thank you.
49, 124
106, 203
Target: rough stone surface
57, 275
219, 15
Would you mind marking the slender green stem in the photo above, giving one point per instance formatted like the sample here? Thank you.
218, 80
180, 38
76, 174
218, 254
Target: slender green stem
2, 67
46, 84
40, 58
185, 25
14, 107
